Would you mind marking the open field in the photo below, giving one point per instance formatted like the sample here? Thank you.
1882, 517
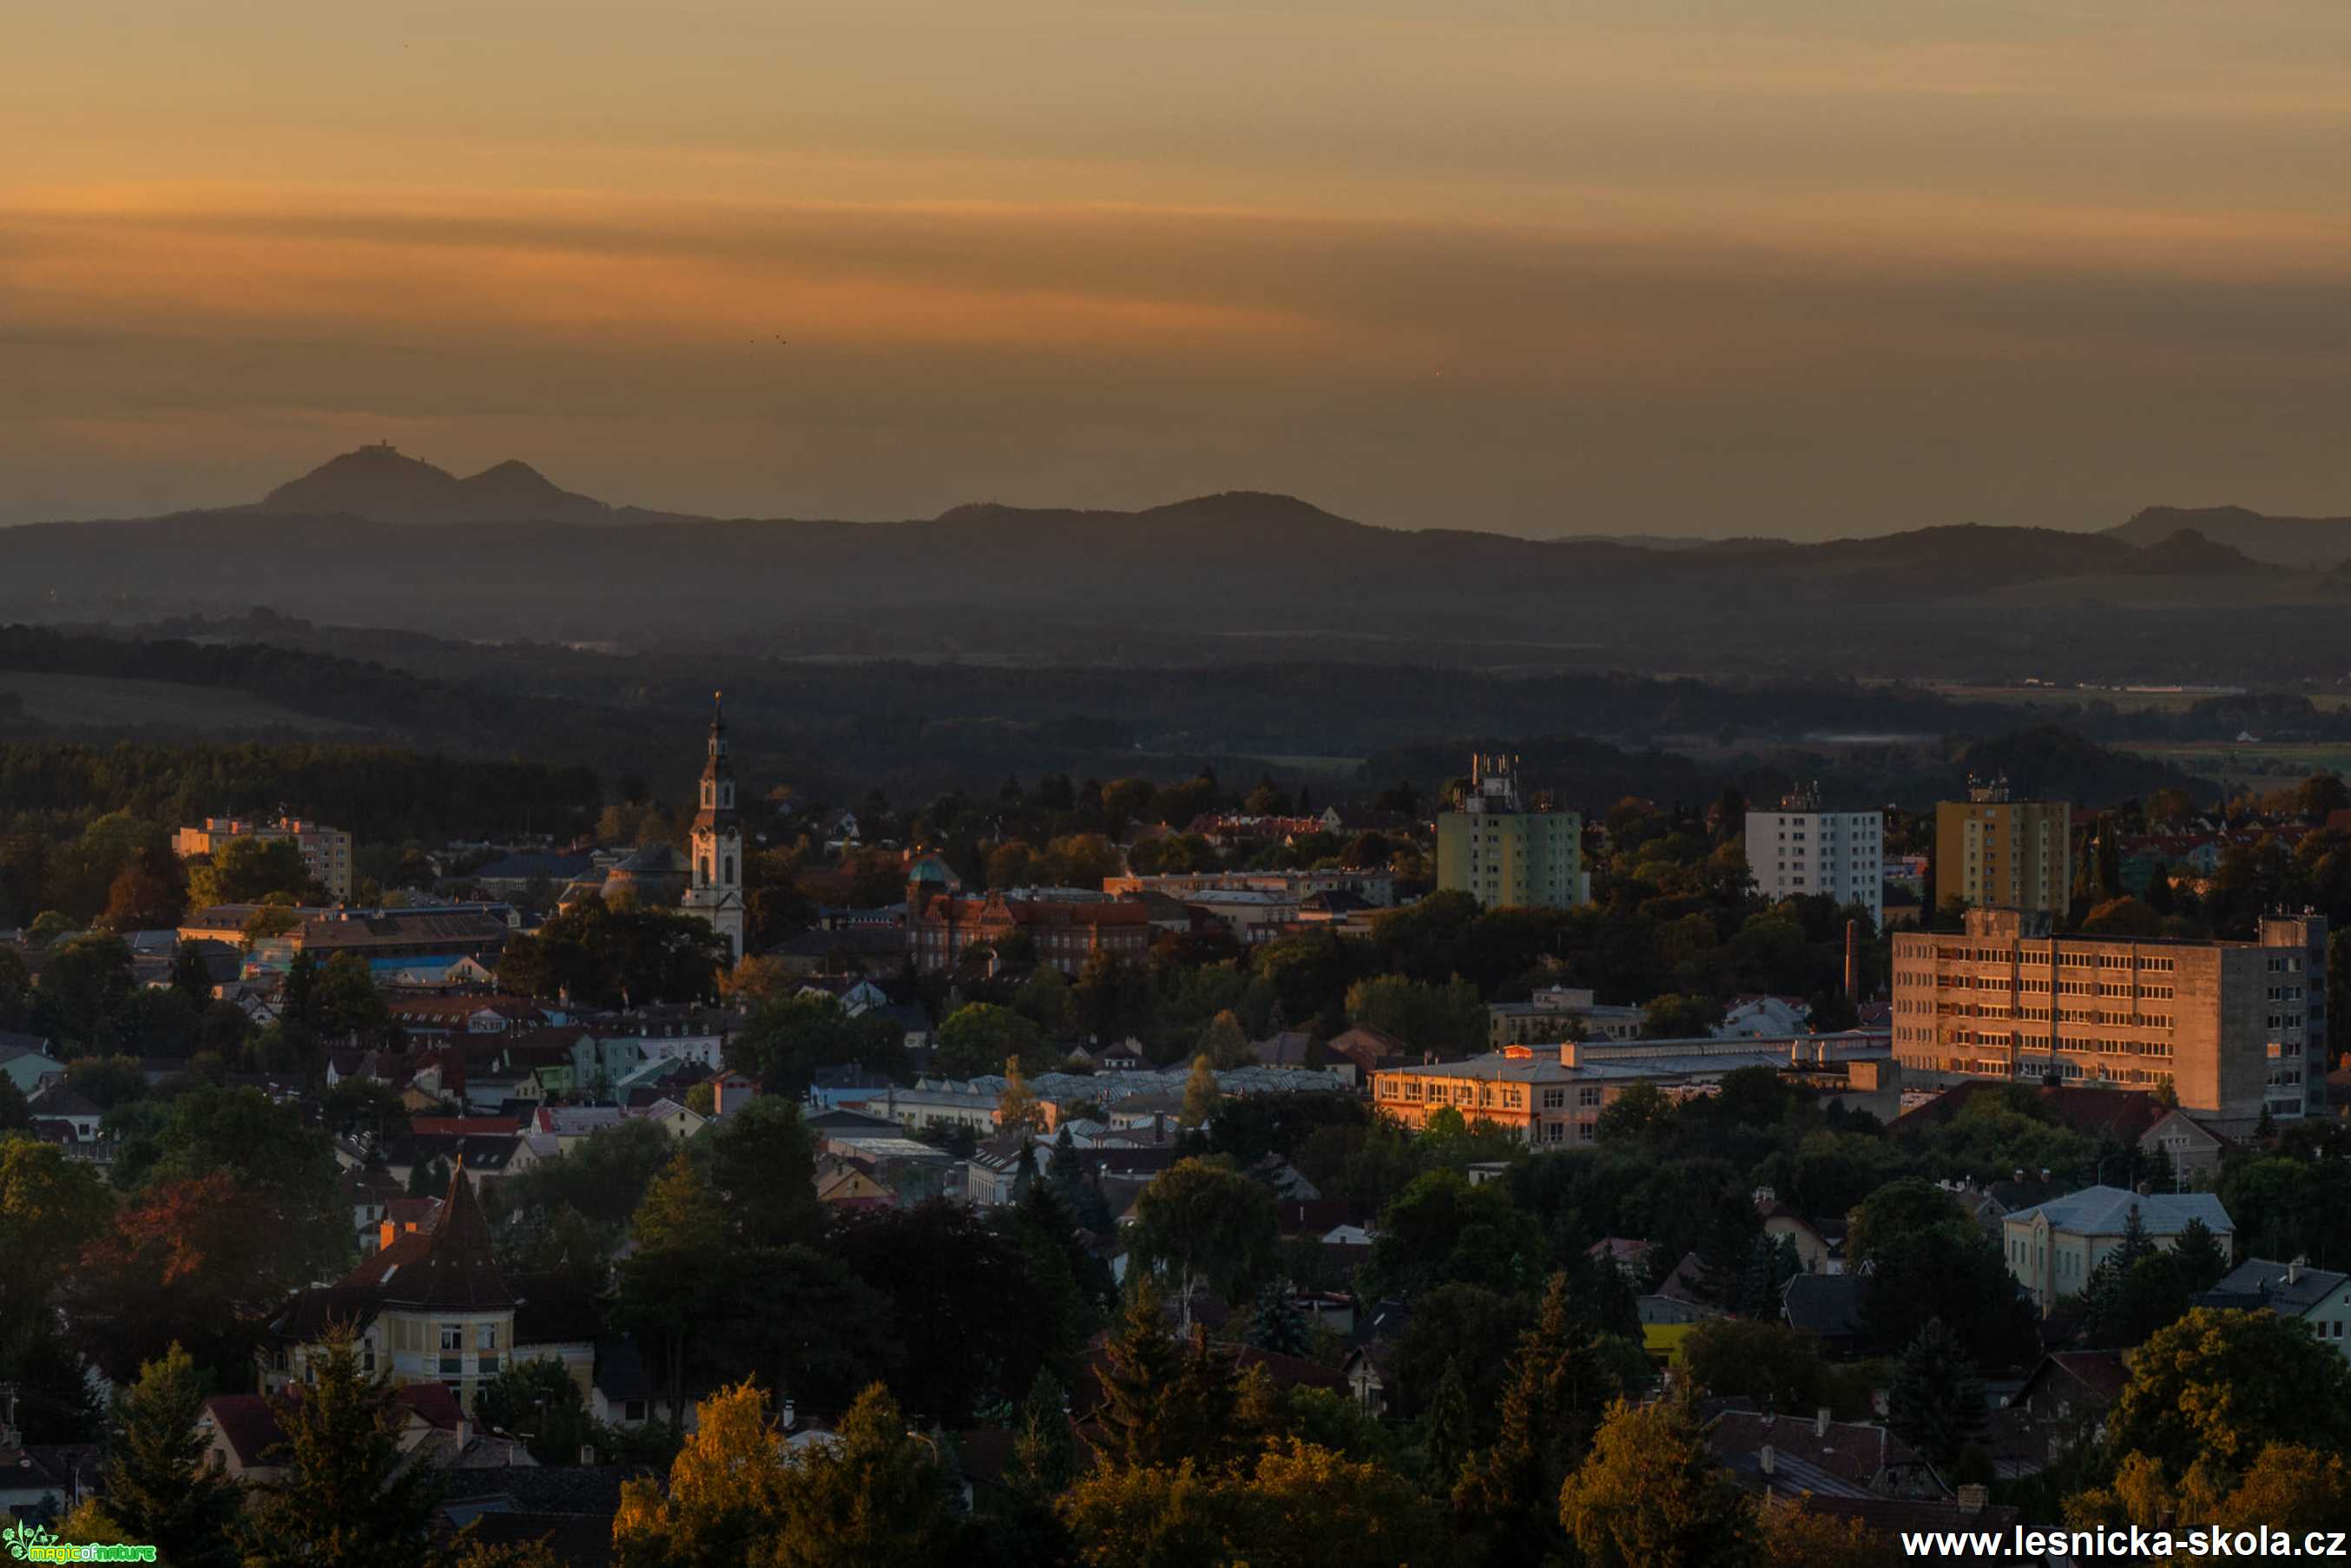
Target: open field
2253, 764
108, 703
2120, 701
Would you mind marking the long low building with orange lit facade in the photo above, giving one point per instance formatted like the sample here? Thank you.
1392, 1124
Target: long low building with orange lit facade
1552, 1095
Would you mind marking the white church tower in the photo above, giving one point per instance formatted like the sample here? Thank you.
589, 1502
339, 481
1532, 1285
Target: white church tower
716, 892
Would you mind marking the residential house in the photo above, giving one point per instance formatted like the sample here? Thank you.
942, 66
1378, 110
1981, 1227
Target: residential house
25, 1060
245, 1439
46, 1480
1631, 1257
557, 1320
1799, 1456
849, 1183
431, 1306
2320, 1298
992, 1175
1812, 1248
2052, 1247
2193, 1149
1829, 1308
2069, 1393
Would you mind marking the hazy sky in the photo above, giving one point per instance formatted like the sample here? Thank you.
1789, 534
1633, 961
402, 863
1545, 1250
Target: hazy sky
1805, 266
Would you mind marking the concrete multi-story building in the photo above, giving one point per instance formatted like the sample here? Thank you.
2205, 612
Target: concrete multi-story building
1551, 1096
326, 851
2051, 1247
2234, 1028
1497, 850
2009, 854
1556, 1013
1800, 851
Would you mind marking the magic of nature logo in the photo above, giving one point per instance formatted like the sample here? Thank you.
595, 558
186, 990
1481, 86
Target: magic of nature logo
32, 1543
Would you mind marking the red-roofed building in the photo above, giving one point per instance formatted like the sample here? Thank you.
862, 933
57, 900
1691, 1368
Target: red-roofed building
246, 1434
1067, 931
430, 1306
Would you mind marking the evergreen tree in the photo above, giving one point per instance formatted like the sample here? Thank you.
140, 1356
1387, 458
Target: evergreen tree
1278, 1325
1450, 1431
1044, 1449
346, 1496
1143, 1363
2202, 1257
428, 1178
2135, 1243
1063, 1168
1166, 1399
189, 976
1510, 1491
157, 1486
1935, 1401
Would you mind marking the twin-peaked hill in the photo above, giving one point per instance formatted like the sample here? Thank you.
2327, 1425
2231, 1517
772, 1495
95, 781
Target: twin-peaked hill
375, 537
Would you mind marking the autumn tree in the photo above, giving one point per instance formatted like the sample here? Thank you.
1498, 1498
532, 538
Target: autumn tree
2216, 1387
1647, 1493
873, 1498
1796, 1536
183, 1261
1200, 1095
725, 1501
1018, 1108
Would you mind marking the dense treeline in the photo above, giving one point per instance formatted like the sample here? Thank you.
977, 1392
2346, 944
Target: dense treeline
377, 792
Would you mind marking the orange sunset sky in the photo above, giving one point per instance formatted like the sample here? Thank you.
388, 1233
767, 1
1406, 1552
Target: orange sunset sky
1799, 267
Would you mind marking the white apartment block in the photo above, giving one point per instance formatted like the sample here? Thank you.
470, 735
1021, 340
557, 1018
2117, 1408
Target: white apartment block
1801, 850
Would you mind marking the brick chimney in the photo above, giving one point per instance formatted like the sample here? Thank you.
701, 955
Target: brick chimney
1974, 1496
1853, 959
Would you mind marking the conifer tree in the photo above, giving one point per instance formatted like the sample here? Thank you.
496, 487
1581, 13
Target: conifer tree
1166, 1399
1509, 1491
346, 1498
157, 1486
1044, 1452
1277, 1324
1449, 1429
2202, 1258
1143, 1362
1935, 1401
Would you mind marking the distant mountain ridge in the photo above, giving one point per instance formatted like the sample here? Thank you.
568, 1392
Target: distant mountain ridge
2279, 541
383, 485
363, 539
